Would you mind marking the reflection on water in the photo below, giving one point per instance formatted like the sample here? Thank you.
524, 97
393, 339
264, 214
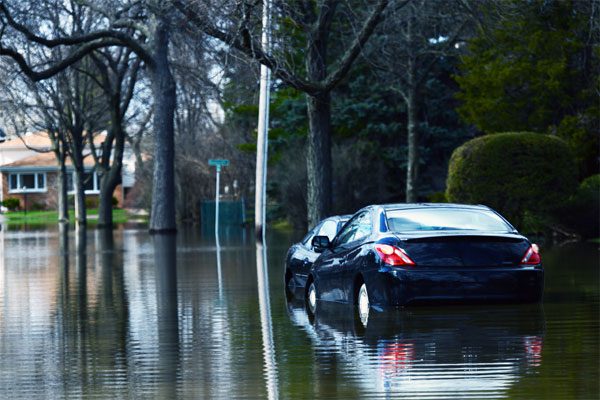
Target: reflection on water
467, 352
266, 323
125, 314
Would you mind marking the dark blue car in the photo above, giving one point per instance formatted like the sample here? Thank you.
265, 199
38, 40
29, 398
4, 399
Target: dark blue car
300, 256
397, 254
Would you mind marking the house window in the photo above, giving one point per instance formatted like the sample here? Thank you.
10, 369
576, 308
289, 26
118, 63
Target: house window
91, 183
27, 182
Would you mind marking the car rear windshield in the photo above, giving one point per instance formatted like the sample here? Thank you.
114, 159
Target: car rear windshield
454, 219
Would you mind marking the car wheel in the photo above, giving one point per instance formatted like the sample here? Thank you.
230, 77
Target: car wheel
363, 304
311, 297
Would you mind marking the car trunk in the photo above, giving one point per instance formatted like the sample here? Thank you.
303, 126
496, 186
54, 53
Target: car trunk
465, 250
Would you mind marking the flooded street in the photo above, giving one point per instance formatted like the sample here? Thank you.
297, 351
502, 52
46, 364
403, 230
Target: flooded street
129, 315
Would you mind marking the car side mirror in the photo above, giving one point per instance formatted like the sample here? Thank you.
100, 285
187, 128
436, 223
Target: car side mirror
320, 243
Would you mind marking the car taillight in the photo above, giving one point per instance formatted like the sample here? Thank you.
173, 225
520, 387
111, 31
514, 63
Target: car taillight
532, 255
392, 255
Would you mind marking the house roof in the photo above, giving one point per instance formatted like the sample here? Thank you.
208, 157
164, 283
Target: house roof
42, 162
38, 141
35, 140
38, 161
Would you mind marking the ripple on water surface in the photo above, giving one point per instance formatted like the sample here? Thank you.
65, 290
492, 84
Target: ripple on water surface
132, 316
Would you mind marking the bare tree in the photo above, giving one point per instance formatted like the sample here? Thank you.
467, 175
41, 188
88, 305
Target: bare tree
28, 107
302, 27
66, 107
199, 131
411, 42
80, 113
117, 76
143, 27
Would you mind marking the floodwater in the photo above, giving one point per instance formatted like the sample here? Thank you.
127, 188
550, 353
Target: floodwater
128, 315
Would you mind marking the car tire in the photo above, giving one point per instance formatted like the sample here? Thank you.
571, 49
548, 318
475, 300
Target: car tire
363, 304
311, 297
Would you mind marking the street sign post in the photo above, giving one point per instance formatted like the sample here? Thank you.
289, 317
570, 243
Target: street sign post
217, 163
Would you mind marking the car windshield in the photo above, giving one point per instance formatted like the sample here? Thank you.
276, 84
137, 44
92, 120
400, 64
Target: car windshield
452, 219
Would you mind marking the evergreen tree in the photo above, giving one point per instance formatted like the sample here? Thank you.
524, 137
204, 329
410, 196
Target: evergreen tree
536, 69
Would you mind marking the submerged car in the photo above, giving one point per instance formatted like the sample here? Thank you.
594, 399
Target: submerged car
300, 256
397, 254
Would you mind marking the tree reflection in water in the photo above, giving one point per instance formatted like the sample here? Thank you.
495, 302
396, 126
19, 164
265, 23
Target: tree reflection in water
165, 261
140, 316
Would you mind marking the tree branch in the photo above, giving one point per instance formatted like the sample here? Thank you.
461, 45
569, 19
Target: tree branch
111, 36
348, 58
129, 90
60, 66
252, 50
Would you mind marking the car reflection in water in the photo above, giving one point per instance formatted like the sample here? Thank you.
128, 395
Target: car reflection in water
449, 352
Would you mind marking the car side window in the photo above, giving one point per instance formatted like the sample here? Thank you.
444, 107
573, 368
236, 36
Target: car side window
358, 228
329, 229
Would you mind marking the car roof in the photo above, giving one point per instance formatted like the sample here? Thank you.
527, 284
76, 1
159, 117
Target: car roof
339, 217
405, 206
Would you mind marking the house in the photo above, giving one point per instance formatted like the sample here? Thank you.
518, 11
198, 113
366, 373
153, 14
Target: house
29, 172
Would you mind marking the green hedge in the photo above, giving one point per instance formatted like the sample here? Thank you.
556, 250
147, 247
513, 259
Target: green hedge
517, 173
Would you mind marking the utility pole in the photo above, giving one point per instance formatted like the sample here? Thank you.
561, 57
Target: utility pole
217, 206
263, 131
217, 163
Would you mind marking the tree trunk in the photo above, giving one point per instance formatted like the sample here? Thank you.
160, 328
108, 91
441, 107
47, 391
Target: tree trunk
167, 326
105, 206
412, 169
162, 219
76, 154
137, 152
412, 164
111, 177
63, 203
318, 163
79, 185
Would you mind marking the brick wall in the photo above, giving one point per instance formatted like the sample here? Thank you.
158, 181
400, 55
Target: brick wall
45, 200
49, 200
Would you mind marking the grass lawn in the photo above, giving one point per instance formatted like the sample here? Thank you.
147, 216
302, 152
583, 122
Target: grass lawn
50, 217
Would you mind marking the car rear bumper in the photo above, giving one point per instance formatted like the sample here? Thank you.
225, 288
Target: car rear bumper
398, 286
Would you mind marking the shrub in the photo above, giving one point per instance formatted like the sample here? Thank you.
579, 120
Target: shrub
581, 213
516, 173
12, 203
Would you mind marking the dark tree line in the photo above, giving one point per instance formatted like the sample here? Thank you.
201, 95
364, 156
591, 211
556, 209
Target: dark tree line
362, 89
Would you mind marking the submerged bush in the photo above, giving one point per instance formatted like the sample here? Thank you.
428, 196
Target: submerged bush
516, 173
